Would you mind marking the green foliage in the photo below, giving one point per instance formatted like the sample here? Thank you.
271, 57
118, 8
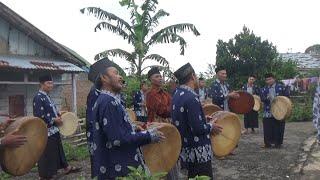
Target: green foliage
140, 33
4, 176
139, 173
247, 54
81, 112
301, 113
133, 85
75, 154
302, 107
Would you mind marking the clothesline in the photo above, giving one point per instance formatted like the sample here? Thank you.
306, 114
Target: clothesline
302, 84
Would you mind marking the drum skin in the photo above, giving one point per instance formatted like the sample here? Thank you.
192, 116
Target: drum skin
209, 109
227, 140
19, 161
281, 108
69, 125
162, 156
243, 104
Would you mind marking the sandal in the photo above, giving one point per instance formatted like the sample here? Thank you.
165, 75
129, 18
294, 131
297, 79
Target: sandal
73, 170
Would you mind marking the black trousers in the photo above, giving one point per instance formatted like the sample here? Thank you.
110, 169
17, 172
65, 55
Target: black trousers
251, 120
200, 169
273, 131
53, 157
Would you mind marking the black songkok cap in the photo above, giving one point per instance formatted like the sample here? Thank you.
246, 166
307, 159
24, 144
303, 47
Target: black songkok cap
99, 67
219, 68
183, 72
45, 78
152, 71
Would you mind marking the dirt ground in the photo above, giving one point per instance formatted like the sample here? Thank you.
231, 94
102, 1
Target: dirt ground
298, 159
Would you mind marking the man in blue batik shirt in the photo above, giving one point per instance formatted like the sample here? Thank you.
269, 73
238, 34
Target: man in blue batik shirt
116, 142
139, 103
188, 117
273, 129
220, 90
53, 157
95, 70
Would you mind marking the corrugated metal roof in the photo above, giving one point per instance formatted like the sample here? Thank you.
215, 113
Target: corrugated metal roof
304, 60
36, 63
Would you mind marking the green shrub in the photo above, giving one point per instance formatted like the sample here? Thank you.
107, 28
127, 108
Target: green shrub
139, 173
4, 176
75, 154
133, 85
301, 113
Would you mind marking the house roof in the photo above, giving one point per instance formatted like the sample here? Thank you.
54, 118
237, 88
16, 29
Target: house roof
30, 30
304, 60
15, 62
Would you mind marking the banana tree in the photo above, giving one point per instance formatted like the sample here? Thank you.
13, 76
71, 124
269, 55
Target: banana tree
139, 33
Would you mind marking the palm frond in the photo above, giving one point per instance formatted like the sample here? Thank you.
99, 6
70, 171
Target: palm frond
130, 57
155, 19
158, 58
177, 28
170, 38
115, 29
149, 5
104, 15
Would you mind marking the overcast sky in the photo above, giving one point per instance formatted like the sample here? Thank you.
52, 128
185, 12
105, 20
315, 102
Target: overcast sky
292, 25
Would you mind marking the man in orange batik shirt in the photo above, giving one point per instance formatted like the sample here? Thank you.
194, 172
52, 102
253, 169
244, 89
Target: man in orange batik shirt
158, 100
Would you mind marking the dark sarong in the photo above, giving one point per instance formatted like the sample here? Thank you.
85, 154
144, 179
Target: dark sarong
273, 131
200, 169
251, 120
53, 157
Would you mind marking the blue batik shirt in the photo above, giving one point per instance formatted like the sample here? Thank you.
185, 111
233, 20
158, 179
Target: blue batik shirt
139, 99
268, 93
116, 144
188, 117
219, 92
44, 108
316, 111
91, 99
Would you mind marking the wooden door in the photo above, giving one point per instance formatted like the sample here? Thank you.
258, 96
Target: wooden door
16, 106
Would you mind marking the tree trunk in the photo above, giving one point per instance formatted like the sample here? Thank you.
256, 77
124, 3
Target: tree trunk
139, 73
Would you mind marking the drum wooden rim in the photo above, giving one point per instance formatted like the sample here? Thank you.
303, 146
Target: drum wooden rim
257, 103
161, 157
209, 109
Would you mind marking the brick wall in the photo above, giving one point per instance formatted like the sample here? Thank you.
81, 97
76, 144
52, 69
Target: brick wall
83, 88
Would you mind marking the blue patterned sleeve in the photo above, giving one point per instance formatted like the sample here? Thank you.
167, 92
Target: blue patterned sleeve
264, 95
136, 100
196, 120
257, 90
217, 96
114, 128
38, 108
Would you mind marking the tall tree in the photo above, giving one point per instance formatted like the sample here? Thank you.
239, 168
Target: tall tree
139, 32
247, 54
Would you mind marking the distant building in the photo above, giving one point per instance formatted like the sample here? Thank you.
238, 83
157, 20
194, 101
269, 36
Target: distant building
305, 61
25, 54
